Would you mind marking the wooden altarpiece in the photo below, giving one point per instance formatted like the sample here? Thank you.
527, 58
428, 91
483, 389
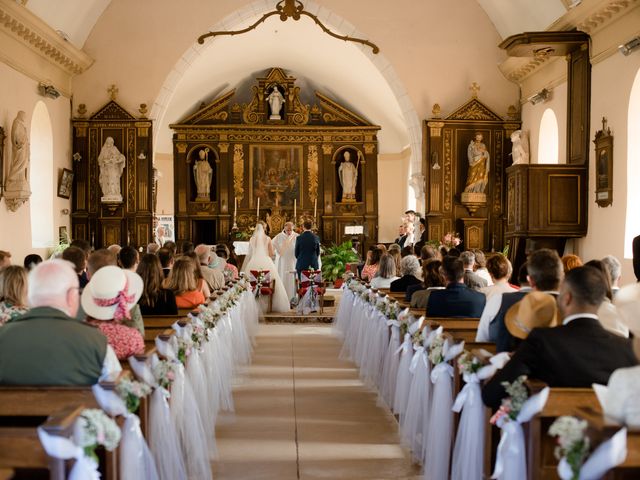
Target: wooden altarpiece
446, 164
270, 158
128, 222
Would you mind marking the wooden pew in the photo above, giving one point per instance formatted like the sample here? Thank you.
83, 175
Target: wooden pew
20, 446
602, 428
461, 328
154, 325
541, 461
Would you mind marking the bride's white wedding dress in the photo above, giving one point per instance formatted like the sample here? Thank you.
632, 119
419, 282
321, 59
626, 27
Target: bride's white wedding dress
258, 259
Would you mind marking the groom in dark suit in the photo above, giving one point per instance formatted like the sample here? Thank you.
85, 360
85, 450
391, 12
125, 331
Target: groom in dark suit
577, 353
307, 249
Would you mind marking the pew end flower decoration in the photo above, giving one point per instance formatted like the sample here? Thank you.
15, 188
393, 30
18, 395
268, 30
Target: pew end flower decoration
165, 373
573, 445
511, 405
131, 391
95, 428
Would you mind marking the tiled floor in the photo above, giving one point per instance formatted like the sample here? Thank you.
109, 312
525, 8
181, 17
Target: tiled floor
301, 413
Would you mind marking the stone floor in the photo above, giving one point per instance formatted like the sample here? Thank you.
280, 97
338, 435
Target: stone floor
301, 413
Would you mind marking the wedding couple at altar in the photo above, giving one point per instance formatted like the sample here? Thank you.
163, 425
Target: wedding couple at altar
295, 252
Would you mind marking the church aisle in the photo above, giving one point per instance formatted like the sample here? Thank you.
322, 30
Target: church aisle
301, 413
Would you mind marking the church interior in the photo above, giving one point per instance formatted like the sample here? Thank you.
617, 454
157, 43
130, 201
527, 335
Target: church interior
130, 123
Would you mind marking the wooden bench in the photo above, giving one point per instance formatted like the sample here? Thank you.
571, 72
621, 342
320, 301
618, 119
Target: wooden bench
20, 446
541, 461
154, 325
461, 328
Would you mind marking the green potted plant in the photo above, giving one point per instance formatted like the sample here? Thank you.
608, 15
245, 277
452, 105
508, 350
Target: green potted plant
335, 260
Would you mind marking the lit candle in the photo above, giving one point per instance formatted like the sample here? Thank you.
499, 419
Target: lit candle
258, 209
315, 208
295, 209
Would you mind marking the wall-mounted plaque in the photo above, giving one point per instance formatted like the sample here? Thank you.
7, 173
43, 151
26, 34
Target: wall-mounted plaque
604, 165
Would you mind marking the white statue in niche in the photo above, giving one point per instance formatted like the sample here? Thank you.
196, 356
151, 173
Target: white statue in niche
17, 183
276, 102
203, 174
348, 174
520, 147
111, 163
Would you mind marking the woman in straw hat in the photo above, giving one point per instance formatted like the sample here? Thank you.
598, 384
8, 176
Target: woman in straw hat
108, 299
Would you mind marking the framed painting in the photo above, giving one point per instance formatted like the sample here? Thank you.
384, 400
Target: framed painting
275, 175
65, 183
604, 165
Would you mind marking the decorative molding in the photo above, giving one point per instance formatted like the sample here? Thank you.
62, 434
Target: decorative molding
474, 109
32, 32
516, 69
334, 112
215, 111
112, 111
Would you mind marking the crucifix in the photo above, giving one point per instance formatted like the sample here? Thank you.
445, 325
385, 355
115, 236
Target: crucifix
113, 91
277, 190
475, 88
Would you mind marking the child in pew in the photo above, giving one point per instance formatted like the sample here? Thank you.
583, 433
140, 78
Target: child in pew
155, 300
13, 293
107, 300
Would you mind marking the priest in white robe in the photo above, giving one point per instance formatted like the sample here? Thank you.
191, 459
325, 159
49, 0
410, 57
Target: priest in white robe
284, 244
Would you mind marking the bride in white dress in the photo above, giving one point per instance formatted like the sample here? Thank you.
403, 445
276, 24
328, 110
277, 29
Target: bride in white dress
260, 257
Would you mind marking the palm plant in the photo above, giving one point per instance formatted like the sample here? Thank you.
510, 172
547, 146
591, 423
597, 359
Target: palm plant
335, 260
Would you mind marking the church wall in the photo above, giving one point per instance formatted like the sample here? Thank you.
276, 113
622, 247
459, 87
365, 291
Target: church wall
20, 92
393, 169
164, 164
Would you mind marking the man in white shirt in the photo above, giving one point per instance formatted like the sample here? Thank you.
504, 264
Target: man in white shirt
285, 243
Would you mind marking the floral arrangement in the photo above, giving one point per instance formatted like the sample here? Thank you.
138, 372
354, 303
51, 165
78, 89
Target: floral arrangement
131, 391
468, 363
185, 345
393, 310
511, 405
418, 338
451, 240
95, 428
165, 373
436, 350
573, 444
199, 335
260, 279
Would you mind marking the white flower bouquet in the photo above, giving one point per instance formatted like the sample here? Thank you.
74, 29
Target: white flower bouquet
94, 428
436, 350
165, 373
573, 444
131, 391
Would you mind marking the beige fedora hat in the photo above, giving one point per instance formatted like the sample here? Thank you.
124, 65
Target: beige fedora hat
535, 310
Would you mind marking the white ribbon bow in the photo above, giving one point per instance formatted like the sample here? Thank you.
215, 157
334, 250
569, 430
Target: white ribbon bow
511, 454
470, 393
419, 353
608, 455
84, 468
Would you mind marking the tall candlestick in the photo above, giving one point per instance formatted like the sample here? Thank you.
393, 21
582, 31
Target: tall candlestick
235, 208
315, 208
258, 209
295, 210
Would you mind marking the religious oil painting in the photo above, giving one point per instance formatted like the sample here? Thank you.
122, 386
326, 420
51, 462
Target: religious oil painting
65, 183
275, 175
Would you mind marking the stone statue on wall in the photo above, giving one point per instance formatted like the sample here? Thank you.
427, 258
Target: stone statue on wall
348, 174
203, 174
17, 182
111, 163
276, 101
519, 148
478, 173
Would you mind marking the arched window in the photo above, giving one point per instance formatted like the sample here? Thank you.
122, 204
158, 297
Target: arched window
632, 225
548, 146
41, 178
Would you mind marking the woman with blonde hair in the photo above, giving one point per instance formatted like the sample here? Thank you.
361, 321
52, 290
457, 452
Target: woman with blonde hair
386, 272
13, 281
395, 251
182, 281
201, 283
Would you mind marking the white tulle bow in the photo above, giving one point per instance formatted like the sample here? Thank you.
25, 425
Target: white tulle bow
510, 457
608, 455
470, 393
84, 468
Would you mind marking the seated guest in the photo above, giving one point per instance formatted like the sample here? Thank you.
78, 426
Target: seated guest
31, 260
115, 249
621, 400
154, 300
471, 279
577, 353
402, 236
107, 300
480, 267
386, 272
545, 273
182, 282
128, 258
500, 270
410, 271
201, 283
614, 268
233, 258
153, 248
230, 271
46, 346
171, 246
5, 259
407, 250
456, 300
186, 247
13, 296
535, 310
371, 265
570, 261
433, 280
79, 260
213, 276
166, 260
396, 252
428, 252
421, 238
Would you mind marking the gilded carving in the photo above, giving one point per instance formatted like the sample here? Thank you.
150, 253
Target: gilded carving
369, 148
327, 149
131, 169
511, 201
312, 172
143, 128
300, 112
435, 128
81, 129
181, 147
250, 112
238, 171
447, 170
224, 148
474, 110
329, 117
93, 155
497, 173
